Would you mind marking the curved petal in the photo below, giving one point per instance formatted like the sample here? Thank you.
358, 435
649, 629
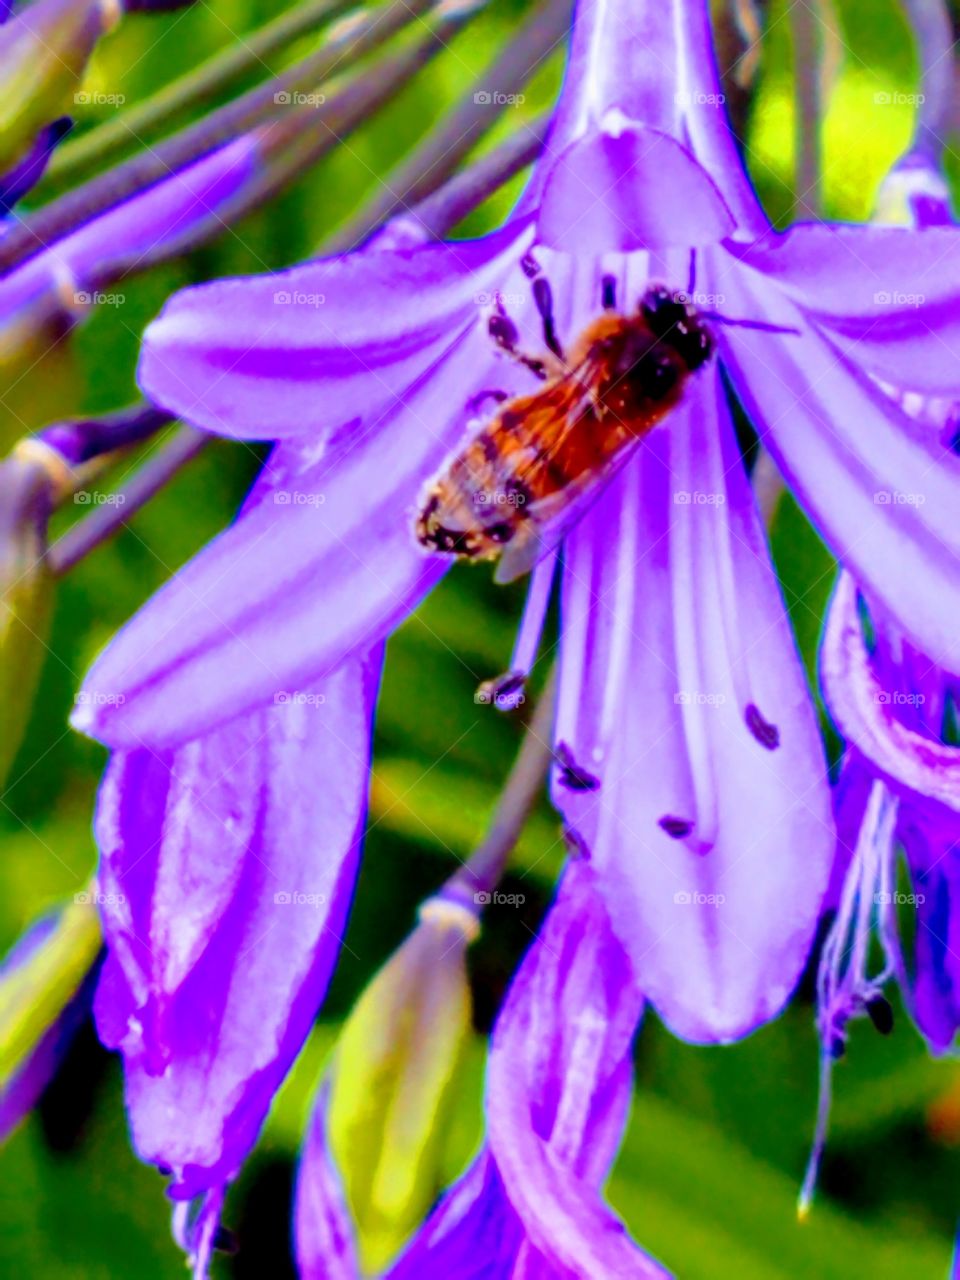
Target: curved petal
626, 188
932, 842
322, 1226
206, 1048
880, 488
298, 351
888, 296
681, 691
559, 1085
321, 563
865, 711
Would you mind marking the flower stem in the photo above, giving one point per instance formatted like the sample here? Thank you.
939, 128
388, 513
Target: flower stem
807, 66
482, 872
104, 521
344, 43
454, 137
147, 119
450, 203
933, 30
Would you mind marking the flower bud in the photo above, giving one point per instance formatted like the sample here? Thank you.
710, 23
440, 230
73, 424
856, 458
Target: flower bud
44, 52
26, 592
392, 1073
40, 980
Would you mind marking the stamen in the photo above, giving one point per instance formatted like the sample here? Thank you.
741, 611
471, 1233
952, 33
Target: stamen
767, 734
608, 293
543, 297
881, 1014
844, 987
529, 265
677, 828
761, 325
577, 847
951, 429
502, 690
571, 774
503, 331
530, 632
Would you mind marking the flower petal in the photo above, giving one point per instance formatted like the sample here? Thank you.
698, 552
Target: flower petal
324, 1232
932, 843
879, 487
559, 1085
322, 562
681, 691
299, 351
626, 188
865, 711
206, 1049
888, 296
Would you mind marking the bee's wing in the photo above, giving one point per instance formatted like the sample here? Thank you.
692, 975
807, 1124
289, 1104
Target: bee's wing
548, 521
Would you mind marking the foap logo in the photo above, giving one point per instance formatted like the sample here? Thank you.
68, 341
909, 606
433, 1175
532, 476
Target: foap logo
502, 699
298, 698
701, 299
898, 99
483, 299
896, 698
294, 898
686, 99
899, 899
498, 899
93, 897
694, 698
486, 98
97, 699
897, 299
499, 498
896, 498
297, 298
693, 898
298, 498
96, 298
93, 98
295, 99
94, 498
698, 498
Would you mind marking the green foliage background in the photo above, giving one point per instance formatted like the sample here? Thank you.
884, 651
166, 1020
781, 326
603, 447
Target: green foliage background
718, 1139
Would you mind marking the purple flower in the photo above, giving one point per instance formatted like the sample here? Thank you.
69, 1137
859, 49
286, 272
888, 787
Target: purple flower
690, 768
681, 691
899, 786
227, 866
558, 1092
15, 184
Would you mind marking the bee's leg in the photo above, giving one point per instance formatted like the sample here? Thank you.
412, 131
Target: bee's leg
608, 293
475, 403
504, 333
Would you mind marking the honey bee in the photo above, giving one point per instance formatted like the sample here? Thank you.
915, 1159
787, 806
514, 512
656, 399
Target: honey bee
526, 476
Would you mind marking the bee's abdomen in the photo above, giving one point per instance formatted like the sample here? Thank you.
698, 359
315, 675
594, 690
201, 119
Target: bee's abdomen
475, 506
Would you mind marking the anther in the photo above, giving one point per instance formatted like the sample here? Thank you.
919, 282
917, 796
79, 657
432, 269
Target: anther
608, 293
475, 403
880, 1014
767, 734
577, 847
529, 266
543, 297
676, 828
225, 1241
572, 775
502, 330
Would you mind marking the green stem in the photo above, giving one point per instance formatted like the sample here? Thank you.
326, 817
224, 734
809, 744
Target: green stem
343, 45
483, 871
147, 119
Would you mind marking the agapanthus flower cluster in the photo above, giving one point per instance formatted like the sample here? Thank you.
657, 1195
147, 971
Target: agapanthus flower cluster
688, 769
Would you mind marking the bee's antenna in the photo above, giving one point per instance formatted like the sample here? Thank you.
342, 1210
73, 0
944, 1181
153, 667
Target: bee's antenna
717, 318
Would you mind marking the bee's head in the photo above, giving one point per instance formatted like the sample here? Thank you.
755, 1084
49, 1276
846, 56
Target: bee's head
674, 321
